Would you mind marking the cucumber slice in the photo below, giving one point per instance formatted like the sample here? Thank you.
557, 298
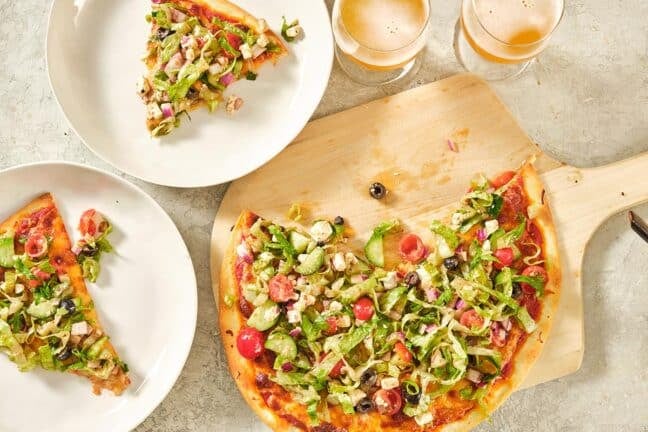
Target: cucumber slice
354, 292
374, 250
312, 263
264, 316
299, 241
7, 249
374, 247
95, 348
283, 345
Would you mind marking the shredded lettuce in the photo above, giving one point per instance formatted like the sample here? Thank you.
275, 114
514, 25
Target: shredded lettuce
354, 337
450, 237
9, 343
525, 320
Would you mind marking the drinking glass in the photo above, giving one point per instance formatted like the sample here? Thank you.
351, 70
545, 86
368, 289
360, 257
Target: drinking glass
380, 41
497, 39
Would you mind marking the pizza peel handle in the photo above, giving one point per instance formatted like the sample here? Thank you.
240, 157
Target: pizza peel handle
581, 200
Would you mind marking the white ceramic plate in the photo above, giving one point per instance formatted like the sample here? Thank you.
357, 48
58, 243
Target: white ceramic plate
94, 50
145, 297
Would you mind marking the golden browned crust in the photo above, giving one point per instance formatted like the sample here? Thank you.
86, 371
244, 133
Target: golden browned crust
531, 348
60, 255
524, 355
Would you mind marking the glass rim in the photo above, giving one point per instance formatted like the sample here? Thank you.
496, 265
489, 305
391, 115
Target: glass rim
542, 39
424, 27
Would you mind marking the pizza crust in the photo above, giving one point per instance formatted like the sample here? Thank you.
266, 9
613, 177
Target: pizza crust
244, 371
236, 13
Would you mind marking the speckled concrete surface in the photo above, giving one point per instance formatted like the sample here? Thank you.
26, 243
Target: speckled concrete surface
585, 101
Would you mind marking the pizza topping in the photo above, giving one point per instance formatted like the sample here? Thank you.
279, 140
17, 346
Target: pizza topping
411, 248
374, 247
364, 405
193, 59
94, 228
36, 245
352, 334
281, 289
250, 343
387, 402
290, 31
37, 304
363, 309
504, 257
537, 279
451, 263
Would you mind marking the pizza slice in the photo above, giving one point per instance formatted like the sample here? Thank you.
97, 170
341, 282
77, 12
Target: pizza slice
47, 317
196, 50
319, 338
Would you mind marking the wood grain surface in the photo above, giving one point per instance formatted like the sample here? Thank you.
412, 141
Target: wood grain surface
402, 141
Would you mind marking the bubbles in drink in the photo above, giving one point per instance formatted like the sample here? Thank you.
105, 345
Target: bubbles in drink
509, 31
380, 33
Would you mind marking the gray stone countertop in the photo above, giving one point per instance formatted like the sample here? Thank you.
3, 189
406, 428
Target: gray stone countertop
585, 102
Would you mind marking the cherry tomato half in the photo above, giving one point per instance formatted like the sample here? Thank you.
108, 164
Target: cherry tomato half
363, 309
250, 343
36, 245
40, 274
337, 369
411, 248
533, 271
502, 178
281, 289
471, 319
402, 352
388, 402
332, 328
92, 223
504, 257
234, 40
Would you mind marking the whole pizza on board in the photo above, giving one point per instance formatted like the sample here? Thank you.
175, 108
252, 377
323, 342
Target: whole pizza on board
320, 338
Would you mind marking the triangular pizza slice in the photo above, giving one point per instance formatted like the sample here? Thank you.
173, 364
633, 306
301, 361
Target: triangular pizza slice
196, 49
47, 317
321, 338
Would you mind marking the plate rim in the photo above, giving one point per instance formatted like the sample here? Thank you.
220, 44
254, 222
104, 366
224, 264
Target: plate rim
157, 400
320, 94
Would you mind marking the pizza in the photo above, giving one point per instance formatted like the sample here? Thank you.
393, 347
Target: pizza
47, 317
195, 51
321, 338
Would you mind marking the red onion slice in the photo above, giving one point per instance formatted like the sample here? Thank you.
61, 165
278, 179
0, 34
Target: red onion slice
167, 110
452, 146
227, 79
295, 332
177, 16
431, 294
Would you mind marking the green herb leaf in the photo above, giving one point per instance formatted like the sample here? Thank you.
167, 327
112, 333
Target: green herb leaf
285, 26
496, 207
535, 281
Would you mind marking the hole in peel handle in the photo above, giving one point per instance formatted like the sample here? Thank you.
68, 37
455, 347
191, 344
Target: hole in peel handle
638, 225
